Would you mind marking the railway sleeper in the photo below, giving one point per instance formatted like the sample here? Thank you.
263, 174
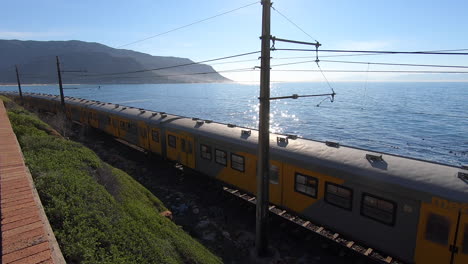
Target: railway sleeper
344, 245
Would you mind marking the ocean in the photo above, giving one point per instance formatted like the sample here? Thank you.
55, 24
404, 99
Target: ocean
426, 120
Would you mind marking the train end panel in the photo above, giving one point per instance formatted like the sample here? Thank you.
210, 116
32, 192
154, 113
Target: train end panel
442, 232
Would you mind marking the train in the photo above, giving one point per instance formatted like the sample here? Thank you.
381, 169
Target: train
411, 209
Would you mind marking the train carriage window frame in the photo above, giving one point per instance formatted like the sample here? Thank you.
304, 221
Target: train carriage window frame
380, 206
155, 136
205, 152
338, 187
437, 229
219, 158
238, 165
303, 180
172, 141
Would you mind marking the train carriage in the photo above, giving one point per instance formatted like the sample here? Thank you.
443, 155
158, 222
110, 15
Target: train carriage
411, 209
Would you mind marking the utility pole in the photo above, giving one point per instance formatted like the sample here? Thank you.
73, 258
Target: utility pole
19, 84
62, 98
263, 174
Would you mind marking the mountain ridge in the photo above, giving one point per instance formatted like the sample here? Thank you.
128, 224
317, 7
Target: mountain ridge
37, 64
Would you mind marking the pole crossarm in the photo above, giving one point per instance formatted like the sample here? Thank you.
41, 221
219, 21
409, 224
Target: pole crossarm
296, 96
274, 39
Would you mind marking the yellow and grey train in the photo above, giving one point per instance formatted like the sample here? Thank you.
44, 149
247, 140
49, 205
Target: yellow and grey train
411, 209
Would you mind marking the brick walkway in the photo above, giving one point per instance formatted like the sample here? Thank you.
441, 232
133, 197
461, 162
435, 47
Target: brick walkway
26, 233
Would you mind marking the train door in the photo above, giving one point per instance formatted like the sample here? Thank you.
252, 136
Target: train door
190, 152
186, 151
276, 180
123, 127
84, 116
155, 140
93, 119
172, 146
115, 126
143, 135
461, 255
436, 234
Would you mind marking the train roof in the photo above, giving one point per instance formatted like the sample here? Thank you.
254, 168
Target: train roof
368, 167
350, 163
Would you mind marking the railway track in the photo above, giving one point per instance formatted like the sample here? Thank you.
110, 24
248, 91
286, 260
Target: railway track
346, 244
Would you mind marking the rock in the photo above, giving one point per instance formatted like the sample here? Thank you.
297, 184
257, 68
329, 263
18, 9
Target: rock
167, 214
226, 235
208, 236
202, 224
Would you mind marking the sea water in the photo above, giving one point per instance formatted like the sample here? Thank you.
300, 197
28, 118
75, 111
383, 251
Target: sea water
426, 120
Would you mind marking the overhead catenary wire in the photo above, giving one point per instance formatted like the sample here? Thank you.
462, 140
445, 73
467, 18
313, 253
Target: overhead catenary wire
355, 55
171, 67
378, 52
399, 64
175, 75
373, 71
188, 25
375, 63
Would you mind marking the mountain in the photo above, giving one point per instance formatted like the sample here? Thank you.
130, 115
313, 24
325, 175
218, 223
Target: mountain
37, 64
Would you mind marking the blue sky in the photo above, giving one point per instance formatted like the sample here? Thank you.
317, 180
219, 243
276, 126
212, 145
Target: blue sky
338, 24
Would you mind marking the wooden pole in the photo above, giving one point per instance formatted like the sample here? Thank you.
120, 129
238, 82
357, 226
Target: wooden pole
62, 98
263, 177
19, 85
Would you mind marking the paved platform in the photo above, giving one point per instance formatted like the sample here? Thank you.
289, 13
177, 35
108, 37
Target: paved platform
26, 236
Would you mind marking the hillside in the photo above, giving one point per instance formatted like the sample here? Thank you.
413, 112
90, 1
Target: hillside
99, 214
36, 60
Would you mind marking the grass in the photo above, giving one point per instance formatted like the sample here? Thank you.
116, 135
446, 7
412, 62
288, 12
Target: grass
99, 214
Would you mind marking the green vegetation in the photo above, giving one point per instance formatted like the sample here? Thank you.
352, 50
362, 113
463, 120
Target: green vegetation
99, 214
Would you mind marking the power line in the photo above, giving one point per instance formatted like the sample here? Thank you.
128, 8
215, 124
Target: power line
383, 71
363, 54
188, 25
290, 21
174, 66
398, 64
376, 63
174, 75
379, 52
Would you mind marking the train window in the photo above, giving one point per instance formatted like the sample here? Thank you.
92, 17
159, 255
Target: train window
171, 141
205, 152
437, 229
109, 120
338, 195
237, 162
465, 241
274, 174
155, 135
306, 185
221, 157
379, 209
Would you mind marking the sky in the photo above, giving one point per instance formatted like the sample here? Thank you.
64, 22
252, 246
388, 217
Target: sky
399, 25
